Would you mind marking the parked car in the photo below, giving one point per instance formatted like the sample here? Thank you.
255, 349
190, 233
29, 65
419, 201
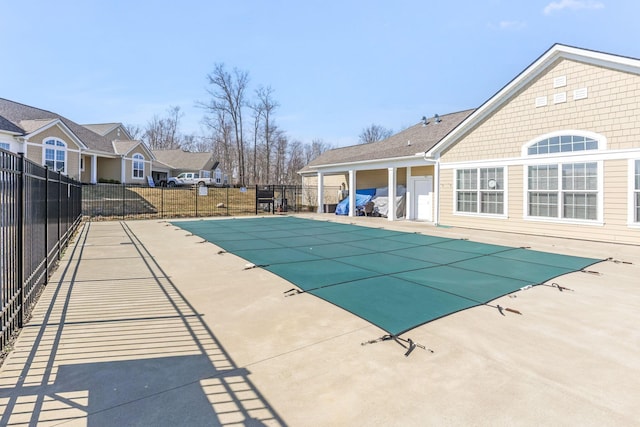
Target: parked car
189, 178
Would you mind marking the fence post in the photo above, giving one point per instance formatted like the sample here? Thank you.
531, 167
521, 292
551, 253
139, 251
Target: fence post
123, 201
197, 191
59, 213
46, 224
21, 242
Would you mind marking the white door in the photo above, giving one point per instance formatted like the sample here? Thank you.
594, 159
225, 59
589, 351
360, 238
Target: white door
423, 198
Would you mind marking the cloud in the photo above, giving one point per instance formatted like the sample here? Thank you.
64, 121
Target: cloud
508, 25
572, 5
511, 25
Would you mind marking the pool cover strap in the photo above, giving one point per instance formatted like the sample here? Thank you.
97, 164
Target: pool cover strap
407, 343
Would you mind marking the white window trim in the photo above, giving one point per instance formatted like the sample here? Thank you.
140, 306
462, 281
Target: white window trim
602, 143
631, 222
10, 148
599, 221
505, 201
140, 159
46, 146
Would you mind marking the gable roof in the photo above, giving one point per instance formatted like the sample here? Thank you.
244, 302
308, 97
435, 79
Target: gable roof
7, 126
104, 128
407, 143
27, 119
125, 147
539, 66
181, 159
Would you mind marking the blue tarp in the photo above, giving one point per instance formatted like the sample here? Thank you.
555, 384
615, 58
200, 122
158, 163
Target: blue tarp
362, 198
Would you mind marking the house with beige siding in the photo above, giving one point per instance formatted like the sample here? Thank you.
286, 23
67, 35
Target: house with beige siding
87, 153
554, 152
173, 162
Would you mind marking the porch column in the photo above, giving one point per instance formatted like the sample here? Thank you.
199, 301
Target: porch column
391, 215
352, 193
123, 170
94, 169
408, 211
320, 193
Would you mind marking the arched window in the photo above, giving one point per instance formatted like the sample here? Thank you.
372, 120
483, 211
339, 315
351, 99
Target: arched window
138, 165
55, 155
564, 142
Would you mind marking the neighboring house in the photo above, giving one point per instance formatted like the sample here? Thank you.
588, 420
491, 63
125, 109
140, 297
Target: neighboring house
554, 152
88, 153
173, 162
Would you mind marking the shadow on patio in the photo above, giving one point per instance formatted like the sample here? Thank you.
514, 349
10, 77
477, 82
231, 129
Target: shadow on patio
114, 342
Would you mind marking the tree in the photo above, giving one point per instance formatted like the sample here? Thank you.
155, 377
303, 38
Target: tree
314, 149
220, 140
164, 133
267, 105
374, 133
295, 162
134, 131
228, 96
196, 144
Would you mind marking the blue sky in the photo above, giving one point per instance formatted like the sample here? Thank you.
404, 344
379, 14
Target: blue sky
336, 67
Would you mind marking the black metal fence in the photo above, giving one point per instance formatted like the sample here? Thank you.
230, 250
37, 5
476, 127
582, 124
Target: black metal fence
117, 201
39, 212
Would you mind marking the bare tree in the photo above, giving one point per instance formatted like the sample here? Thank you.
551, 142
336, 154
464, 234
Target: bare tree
196, 144
281, 143
257, 116
296, 161
220, 139
134, 131
228, 95
270, 131
313, 150
374, 133
163, 133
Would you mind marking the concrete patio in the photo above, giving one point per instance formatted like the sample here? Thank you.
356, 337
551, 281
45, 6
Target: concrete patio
145, 325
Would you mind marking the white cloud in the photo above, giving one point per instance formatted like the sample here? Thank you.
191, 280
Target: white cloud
511, 25
573, 5
508, 25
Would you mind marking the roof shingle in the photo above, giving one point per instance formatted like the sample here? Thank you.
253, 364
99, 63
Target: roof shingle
415, 139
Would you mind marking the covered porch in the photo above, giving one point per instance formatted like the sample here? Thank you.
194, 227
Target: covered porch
413, 180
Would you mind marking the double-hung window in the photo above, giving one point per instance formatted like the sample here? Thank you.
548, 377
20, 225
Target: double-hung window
55, 155
480, 191
565, 189
138, 165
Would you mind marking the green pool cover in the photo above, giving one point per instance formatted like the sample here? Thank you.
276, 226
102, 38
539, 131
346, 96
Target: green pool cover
395, 280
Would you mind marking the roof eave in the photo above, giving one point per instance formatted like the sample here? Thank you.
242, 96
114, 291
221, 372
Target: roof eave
386, 160
64, 128
531, 72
